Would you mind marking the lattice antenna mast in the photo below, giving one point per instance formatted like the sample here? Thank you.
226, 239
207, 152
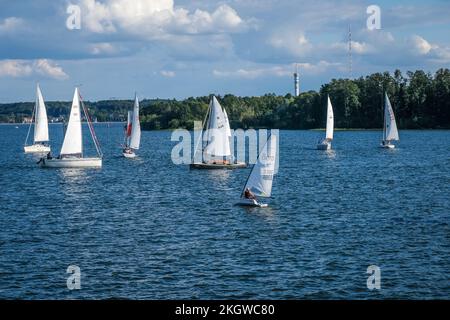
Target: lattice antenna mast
350, 57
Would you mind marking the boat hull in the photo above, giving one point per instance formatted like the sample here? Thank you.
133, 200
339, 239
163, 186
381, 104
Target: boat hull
129, 155
324, 146
36, 148
236, 165
251, 203
71, 163
387, 146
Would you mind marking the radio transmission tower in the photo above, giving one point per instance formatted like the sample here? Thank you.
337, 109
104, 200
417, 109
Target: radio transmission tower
350, 58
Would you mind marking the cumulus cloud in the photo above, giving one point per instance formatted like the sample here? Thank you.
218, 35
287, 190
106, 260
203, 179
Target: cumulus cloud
10, 24
277, 71
167, 73
357, 47
381, 47
248, 73
15, 68
294, 43
24, 68
441, 55
102, 48
419, 45
156, 18
49, 68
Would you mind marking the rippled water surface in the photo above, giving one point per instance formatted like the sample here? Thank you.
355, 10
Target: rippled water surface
149, 229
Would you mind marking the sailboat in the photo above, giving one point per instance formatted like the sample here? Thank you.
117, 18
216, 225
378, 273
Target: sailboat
40, 127
71, 155
390, 132
325, 144
132, 131
259, 182
216, 154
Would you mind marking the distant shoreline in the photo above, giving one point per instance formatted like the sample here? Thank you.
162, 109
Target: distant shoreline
420, 101
281, 129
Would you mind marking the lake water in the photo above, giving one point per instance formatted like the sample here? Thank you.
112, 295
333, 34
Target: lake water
148, 229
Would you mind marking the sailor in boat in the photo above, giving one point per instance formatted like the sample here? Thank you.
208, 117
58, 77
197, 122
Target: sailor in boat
48, 156
249, 195
127, 151
221, 161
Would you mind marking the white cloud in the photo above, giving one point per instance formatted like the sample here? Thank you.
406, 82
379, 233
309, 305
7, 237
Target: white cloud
167, 73
102, 48
357, 47
379, 47
419, 45
316, 68
24, 68
277, 71
294, 43
15, 68
49, 68
442, 55
10, 24
249, 73
156, 18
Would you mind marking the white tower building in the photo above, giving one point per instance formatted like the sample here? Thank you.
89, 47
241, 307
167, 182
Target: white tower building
296, 82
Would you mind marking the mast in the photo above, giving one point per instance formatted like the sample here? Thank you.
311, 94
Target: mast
91, 128
127, 129
383, 107
31, 123
200, 139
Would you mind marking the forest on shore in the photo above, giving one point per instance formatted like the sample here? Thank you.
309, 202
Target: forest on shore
420, 100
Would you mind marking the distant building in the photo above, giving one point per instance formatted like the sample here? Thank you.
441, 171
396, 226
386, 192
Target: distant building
27, 120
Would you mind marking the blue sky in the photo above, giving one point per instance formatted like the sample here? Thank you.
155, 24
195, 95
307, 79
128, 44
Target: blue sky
181, 48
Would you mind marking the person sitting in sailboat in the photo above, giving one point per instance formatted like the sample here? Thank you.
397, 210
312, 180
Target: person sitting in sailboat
127, 150
220, 161
249, 195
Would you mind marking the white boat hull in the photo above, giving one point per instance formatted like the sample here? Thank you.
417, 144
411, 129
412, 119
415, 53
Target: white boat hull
129, 155
71, 163
387, 146
251, 203
324, 146
37, 148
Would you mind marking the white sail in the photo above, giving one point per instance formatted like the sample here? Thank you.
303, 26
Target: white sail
135, 138
73, 142
41, 122
129, 117
227, 123
390, 126
217, 136
330, 121
128, 128
261, 177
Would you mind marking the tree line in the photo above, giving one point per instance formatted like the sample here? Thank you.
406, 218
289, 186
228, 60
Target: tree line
420, 100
